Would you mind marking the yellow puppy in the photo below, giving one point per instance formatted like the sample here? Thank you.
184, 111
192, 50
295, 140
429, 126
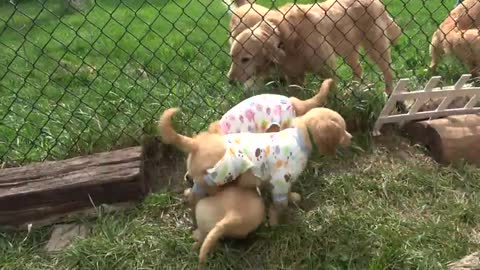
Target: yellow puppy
233, 212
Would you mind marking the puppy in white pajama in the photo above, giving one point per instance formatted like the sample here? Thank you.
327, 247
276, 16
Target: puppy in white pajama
278, 158
252, 158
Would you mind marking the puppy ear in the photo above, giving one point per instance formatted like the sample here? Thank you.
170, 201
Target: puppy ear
346, 139
214, 127
273, 45
273, 49
327, 136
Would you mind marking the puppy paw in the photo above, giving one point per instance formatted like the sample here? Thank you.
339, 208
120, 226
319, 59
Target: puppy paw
187, 192
294, 197
273, 221
188, 195
196, 246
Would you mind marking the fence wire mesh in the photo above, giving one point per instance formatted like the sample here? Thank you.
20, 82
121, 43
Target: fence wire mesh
79, 76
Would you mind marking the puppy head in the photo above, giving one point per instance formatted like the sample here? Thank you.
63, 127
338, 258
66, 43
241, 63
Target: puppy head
254, 50
328, 129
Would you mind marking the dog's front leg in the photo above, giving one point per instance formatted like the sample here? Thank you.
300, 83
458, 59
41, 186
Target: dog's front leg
191, 196
280, 196
275, 211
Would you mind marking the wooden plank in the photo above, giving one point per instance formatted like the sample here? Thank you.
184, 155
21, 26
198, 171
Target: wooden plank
53, 188
467, 91
421, 101
85, 177
55, 168
428, 114
449, 139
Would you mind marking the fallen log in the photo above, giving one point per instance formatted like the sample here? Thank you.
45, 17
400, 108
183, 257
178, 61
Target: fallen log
449, 139
53, 188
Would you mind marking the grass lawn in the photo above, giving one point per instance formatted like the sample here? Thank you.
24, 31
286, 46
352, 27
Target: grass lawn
381, 209
91, 82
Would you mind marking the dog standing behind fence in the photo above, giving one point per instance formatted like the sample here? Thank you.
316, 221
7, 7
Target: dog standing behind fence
458, 35
306, 38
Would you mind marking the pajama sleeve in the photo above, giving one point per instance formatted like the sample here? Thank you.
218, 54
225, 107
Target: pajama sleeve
227, 170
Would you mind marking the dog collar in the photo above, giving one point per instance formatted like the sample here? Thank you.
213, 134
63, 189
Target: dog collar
197, 189
209, 180
301, 142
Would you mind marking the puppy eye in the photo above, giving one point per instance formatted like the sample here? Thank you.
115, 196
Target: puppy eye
245, 59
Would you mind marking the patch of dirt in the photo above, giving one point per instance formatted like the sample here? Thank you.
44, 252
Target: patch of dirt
164, 166
396, 144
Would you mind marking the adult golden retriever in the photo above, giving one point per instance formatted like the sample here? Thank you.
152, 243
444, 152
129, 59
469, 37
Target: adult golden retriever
307, 38
458, 35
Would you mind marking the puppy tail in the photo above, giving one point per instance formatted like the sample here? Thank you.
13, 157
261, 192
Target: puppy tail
170, 136
303, 106
213, 236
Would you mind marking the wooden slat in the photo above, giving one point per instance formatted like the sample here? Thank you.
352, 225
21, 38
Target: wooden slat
421, 100
449, 98
429, 114
446, 94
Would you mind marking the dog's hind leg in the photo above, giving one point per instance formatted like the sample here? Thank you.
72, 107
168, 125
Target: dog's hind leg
353, 61
436, 51
379, 52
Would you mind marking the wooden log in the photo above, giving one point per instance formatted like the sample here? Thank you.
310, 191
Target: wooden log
52, 188
449, 139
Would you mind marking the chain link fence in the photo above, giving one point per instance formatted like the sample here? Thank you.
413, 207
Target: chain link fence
80, 76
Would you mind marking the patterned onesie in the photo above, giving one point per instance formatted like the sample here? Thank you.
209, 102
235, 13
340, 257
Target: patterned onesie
278, 157
258, 113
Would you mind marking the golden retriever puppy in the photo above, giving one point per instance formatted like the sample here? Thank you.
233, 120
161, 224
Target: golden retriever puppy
273, 160
462, 44
194, 194
458, 36
268, 112
232, 212
307, 38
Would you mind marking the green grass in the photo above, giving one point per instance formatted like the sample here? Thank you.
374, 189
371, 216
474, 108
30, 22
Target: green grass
74, 85
381, 209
